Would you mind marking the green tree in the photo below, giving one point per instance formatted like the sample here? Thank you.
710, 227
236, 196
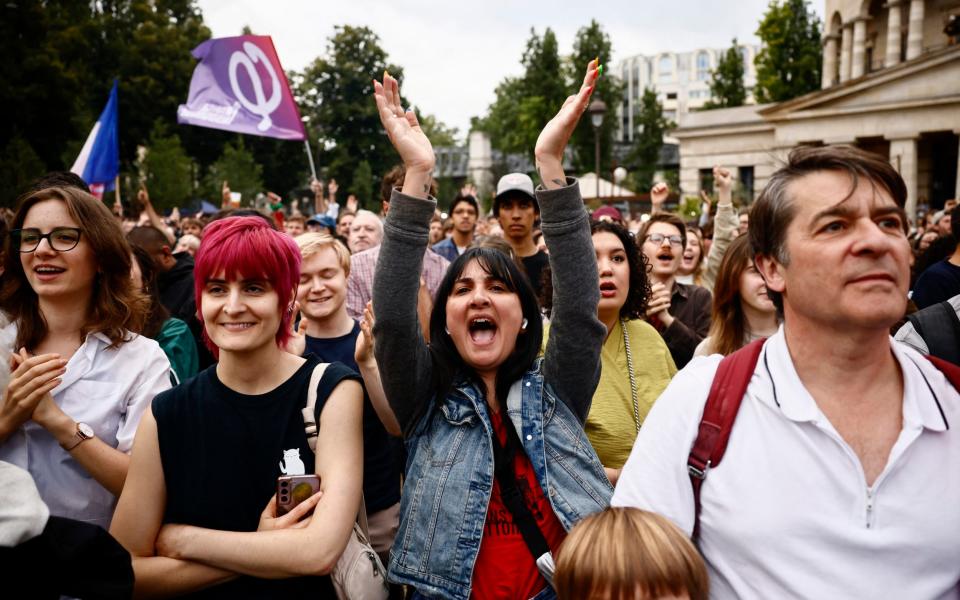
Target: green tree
593, 42
438, 132
362, 184
60, 59
524, 104
645, 154
19, 165
726, 84
789, 61
168, 169
238, 167
334, 91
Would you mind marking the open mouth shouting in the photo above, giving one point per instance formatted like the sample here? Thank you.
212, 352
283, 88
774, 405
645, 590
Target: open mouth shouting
665, 257
482, 330
608, 289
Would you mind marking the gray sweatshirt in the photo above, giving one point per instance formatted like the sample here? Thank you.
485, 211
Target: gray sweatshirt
572, 358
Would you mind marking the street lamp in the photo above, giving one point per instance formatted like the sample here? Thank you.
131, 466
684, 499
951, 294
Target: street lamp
596, 109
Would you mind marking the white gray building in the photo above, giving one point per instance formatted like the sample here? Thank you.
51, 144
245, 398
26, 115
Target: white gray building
681, 80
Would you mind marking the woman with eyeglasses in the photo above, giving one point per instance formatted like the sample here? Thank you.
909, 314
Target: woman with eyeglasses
81, 376
680, 312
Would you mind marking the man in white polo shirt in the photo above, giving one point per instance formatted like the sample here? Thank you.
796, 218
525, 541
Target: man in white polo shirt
841, 478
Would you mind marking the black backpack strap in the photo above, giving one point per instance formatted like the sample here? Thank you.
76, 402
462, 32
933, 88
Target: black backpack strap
510, 492
939, 327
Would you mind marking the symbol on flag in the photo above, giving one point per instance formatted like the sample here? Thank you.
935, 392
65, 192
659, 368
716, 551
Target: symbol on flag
239, 86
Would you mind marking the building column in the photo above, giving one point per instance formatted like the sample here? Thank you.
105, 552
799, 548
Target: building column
829, 76
859, 53
956, 189
846, 43
894, 34
903, 157
915, 33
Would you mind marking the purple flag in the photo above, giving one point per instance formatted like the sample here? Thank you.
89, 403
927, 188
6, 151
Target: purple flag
240, 86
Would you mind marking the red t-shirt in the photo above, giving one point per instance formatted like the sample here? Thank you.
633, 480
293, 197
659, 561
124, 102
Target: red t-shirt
505, 569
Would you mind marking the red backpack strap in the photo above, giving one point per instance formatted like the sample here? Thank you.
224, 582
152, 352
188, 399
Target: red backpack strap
949, 370
729, 385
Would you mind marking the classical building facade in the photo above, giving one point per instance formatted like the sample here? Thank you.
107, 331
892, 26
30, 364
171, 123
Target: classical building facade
681, 80
891, 85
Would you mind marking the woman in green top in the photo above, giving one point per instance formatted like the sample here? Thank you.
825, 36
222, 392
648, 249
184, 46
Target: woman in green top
635, 362
172, 334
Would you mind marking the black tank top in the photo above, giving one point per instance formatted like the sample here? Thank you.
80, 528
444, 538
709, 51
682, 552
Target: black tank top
221, 453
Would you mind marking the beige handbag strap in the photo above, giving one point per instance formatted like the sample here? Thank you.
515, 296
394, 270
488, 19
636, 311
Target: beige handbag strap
311, 428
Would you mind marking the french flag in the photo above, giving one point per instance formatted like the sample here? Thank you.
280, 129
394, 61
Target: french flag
99, 160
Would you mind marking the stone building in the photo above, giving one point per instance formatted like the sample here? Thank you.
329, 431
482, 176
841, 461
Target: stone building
891, 85
681, 80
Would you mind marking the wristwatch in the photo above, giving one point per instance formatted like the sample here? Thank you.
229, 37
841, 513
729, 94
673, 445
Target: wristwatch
84, 433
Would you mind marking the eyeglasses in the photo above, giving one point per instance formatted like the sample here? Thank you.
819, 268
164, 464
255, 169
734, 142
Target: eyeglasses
61, 239
657, 238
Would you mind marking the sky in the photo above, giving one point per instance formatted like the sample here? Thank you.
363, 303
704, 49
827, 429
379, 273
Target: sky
454, 53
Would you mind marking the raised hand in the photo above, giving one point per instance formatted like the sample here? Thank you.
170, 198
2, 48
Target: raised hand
407, 137
352, 203
225, 193
143, 196
659, 194
555, 135
364, 349
722, 178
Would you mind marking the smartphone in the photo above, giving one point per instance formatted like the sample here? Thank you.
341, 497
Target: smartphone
294, 489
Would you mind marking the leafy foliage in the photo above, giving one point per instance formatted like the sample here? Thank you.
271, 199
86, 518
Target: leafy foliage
238, 167
168, 169
60, 59
593, 42
726, 84
362, 185
789, 62
645, 154
524, 104
334, 91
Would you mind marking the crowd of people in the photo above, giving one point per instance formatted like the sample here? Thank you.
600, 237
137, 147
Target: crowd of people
532, 403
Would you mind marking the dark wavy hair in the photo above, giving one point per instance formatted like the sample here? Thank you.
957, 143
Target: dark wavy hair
447, 360
116, 307
636, 305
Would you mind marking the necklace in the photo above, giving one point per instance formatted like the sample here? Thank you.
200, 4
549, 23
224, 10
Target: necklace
633, 378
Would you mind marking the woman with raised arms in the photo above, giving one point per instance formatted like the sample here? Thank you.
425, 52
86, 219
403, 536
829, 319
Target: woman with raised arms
479, 410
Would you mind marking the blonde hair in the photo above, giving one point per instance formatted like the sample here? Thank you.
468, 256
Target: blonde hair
312, 242
626, 554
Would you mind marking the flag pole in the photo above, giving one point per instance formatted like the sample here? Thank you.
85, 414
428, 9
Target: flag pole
116, 194
313, 168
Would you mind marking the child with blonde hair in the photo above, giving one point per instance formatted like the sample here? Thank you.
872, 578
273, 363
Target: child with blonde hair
629, 554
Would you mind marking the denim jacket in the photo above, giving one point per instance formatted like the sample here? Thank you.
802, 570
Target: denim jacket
450, 469
450, 478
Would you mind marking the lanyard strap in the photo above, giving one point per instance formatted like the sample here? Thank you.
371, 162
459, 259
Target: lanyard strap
510, 492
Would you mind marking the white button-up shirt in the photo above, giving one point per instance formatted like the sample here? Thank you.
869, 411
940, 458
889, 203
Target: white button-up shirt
788, 513
108, 389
